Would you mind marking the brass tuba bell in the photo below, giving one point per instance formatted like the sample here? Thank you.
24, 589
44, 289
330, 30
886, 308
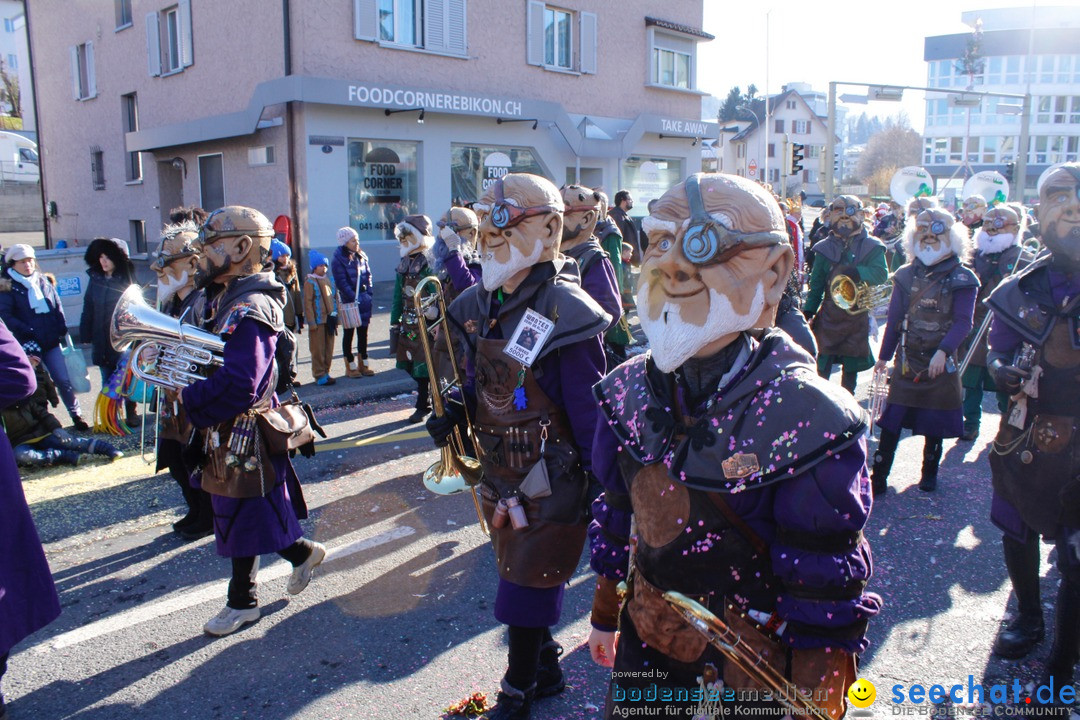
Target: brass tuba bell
858, 298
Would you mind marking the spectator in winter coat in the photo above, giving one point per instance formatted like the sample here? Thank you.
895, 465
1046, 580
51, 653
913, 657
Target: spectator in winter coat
320, 313
111, 273
30, 306
286, 351
352, 276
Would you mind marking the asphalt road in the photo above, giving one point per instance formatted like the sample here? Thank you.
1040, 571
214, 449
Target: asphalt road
398, 622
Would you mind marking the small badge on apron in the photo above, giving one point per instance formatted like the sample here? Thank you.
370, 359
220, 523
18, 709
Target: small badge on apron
529, 337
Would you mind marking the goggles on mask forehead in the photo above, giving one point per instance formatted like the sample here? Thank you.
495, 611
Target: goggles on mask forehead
164, 261
998, 222
453, 225
707, 242
504, 215
848, 210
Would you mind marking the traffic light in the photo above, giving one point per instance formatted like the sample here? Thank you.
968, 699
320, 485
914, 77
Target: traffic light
798, 152
1010, 171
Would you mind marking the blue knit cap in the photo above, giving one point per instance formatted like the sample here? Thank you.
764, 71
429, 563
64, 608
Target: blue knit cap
278, 248
316, 258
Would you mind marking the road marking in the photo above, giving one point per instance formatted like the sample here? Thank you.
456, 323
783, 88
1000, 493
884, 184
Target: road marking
204, 593
391, 436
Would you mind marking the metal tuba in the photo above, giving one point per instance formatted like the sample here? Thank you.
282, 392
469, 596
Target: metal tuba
859, 298
179, 350
454, 470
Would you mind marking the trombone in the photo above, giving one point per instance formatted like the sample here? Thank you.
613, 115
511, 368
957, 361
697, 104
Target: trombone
454, 470
744, 657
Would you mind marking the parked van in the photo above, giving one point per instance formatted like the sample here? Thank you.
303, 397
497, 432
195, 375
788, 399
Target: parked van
18, 159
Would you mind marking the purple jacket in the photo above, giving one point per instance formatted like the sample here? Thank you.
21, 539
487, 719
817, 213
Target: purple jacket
28, 600
253, 526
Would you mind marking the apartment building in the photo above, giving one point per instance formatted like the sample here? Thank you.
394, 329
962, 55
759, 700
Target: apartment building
354, 112
1023, 50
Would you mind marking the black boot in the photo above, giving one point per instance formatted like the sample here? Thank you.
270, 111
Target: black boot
131, 416
931, 459
1065, 652
511, 703
1026, 630
204, 520
883, 460
849, 380
423, 401
549, 676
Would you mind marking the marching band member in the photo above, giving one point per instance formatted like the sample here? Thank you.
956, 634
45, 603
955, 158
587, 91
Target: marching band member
457, 265
1034, 354
533, 336
844, 338
414, 243
930, 314
764, 516
597, 273
972, 211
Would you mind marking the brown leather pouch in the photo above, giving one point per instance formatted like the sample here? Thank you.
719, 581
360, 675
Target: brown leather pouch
285, 427
218, 478
1052, 433
824, 676
661, 626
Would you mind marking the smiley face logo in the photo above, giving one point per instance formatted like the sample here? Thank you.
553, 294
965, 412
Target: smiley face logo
862, 693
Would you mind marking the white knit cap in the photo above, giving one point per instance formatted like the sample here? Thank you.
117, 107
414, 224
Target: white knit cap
19, 252
346, 234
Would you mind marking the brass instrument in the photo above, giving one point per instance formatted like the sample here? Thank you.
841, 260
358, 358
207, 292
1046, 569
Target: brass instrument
454, 470
179, 349
860, 298
735, 650
879, 392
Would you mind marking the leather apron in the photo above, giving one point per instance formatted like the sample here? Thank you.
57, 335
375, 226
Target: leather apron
928, 320
1049, 442
409, 349
546, 552
838, 332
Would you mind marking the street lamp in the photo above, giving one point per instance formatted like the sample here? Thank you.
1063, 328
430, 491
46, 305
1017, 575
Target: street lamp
747, 108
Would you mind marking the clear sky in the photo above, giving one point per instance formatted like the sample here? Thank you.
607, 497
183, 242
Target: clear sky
831, 40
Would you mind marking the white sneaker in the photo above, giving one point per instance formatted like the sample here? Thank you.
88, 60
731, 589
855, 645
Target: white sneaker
301, 574
230, 620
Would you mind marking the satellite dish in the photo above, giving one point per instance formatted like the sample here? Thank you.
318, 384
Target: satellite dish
910, 182
1046, 174
991, 184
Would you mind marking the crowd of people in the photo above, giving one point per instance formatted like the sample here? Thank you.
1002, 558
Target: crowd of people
647, 460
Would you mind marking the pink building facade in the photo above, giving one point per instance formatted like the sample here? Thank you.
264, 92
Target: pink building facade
353, 112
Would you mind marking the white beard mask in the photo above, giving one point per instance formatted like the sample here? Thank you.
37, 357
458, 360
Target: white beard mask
932, 256
412, 244
167, 286
989, 244
496, 273
674, 341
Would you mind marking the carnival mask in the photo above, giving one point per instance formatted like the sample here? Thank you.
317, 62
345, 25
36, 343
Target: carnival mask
847, 216
974, 208
999, 230
519, 230
701, 279
932, 236
1059, 214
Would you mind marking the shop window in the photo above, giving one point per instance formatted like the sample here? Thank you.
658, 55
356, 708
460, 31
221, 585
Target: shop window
211, 182
83, 82
168, 40
647, 178
474, 168
383, 186
560, 39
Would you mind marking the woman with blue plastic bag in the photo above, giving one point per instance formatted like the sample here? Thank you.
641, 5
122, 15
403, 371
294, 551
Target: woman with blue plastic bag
30, 306
111, 273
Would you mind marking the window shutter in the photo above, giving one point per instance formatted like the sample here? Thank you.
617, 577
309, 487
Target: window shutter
534, 31
91, 80
457, 40
75, 72
153, 45
588, 43
365, 19
435, 25
183, 16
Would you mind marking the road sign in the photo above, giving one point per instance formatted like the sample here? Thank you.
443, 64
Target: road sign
752, 168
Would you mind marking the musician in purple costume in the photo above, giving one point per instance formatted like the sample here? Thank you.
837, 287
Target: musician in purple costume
743, 471
597, 273
457, 264
245, 308
1034, 356
930, 314
530, 418
28, 600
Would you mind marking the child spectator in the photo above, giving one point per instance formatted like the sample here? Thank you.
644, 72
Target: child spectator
320, 314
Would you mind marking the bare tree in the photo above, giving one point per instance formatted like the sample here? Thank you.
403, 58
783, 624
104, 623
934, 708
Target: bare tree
894, 147
9, 90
